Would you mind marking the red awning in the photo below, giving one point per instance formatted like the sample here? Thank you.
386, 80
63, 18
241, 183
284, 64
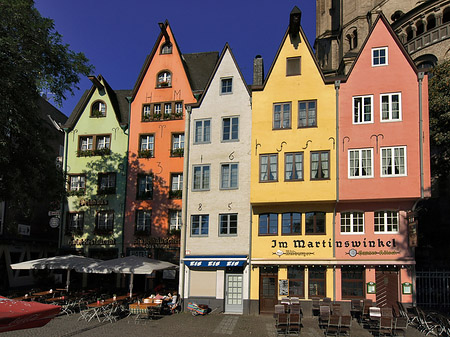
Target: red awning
16, 315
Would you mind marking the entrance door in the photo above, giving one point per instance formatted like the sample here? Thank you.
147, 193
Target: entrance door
233, 293
387, 287
268, 290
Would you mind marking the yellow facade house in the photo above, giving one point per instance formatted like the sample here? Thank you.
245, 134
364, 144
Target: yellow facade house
293, 177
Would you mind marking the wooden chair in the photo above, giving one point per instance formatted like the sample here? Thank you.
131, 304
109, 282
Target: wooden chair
385, 326
315, 305
333, 325
356, 309
324, 315
400, 325
282, 324
386, 312
294, 324
346, 322
295, 309
336, 309
279, 309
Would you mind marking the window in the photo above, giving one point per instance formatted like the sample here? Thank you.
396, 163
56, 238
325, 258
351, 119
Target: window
199, 225
161, 111
103, 142
143, 221
393, 161
293, 166
146, 112
320, 165
86, 143
146, 146
105, 221
360, 163
77, 182
226, 86
268, 167
391, 108
268, 224
386, 222
379, 56
166, 48
293, 66
362, 109
352, 282
296, 277
179, 109
317, 277
291, 223
352, 222
307, 114
98, 109
229, 176
176, 185
175, 221
201, 178
282, 116
202, 131
76, 222
157, 110
164, 79
107, 183
177, 144
230, 129
315, 223
228, 224
145, 186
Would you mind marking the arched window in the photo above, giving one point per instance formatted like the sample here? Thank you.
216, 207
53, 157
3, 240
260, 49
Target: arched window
409, 34
164, 79
397, 15
420, 28
98, 109
426, 61
352, 38
166, 48
446, 15
431, 22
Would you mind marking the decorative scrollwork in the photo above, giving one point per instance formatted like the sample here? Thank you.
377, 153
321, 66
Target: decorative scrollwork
307, 142
115, 131
376, 136
343, 142
281, 146
334, 141
229, 206
162, 127
256, 147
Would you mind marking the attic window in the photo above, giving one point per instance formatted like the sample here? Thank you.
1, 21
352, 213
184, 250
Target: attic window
98, 109
293, 66
166, 48
164, 79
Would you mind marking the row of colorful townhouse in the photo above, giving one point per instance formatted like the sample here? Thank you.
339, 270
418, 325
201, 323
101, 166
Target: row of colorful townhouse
296, 186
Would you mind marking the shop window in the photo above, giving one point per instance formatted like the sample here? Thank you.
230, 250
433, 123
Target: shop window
352, 281
317, 282
296, 276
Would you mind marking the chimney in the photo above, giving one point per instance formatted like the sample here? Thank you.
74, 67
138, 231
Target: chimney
258, 70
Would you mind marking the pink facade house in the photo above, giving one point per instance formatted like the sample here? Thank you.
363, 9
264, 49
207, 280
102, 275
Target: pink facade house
383, 144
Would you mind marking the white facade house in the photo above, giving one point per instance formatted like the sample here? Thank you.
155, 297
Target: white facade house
218, 211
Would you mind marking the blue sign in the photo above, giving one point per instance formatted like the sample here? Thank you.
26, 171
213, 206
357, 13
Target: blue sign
215, 262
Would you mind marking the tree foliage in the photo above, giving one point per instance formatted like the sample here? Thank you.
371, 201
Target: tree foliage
33, 59
439, 100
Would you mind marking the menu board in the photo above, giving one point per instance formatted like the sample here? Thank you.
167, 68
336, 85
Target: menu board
283, 285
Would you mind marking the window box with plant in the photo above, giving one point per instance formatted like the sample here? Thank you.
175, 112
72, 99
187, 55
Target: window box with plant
75, 193
97, 114
175, 232
177, 194
177, 152
103, 231
145, 153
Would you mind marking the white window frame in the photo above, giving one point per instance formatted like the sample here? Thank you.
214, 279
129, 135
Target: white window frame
178, 107
360, 164
393, 159
227, 223
176, 183
205, 181
107, 180
145, 180
390, 118
233, 129
226, 184
144, 220
201, 224
177, 141
77, 182
164, 77
225, 86
354, 216
386, 56
86, 143
147, 142
107, 220
77, 219
103, 142
200, 136
361, 111
385, 222
175, 220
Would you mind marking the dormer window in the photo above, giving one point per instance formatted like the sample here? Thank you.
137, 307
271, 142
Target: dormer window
166, 48
98, 109
164, 79
379, 57
293, 66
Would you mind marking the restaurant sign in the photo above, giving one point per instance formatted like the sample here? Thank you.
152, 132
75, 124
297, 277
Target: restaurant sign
93, 202
91, 242
154, 242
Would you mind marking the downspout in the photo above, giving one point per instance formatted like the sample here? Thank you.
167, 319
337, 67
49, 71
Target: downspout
420, 77
63, 201
124, 127
337, 85
187, 141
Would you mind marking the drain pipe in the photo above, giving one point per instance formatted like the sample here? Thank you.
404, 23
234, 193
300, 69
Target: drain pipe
337, 85
187, 140
420, 77
63, 201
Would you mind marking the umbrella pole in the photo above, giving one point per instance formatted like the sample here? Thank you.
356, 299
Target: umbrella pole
131, 285
68, 280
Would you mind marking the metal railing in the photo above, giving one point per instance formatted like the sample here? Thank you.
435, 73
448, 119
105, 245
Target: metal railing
433, 289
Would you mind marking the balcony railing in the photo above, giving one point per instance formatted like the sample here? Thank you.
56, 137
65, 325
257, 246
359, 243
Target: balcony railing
429, 38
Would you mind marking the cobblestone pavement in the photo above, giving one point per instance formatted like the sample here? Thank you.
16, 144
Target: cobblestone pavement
183, 324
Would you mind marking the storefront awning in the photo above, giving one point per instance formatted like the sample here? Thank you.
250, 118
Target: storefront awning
215, 261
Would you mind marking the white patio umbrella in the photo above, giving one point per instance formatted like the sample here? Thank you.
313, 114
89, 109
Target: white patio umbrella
128, 265
68, 262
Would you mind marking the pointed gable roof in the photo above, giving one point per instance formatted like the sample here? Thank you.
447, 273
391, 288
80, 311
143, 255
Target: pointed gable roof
118, 100
381, 19
213, 73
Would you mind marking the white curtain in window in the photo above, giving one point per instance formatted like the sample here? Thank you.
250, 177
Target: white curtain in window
263, 168
314, 165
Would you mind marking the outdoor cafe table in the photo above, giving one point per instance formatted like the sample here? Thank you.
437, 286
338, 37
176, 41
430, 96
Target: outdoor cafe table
23, 298
56, 299
97, 309
44, 293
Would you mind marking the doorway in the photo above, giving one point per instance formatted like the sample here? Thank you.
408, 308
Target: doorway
387, 287
268, 289
233, 294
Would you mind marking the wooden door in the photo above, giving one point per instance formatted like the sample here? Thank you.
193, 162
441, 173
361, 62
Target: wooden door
268, 286
387, 288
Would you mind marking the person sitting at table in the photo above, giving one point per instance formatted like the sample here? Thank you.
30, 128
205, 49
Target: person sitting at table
159, 296
173, 303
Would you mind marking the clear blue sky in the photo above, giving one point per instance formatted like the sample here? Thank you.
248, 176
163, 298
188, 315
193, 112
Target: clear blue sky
117, 35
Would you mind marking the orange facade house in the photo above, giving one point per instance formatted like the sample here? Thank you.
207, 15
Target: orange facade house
156, 146
383, 170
